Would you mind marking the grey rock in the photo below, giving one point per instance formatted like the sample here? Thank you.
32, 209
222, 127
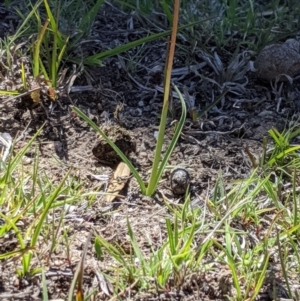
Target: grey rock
278, 59
180, 181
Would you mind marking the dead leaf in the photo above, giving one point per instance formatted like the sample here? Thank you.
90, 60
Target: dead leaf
52, 93
104, 284
35, 96
35, 91
119, 180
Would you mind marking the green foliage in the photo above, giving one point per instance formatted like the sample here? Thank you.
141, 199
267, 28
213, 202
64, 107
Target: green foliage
162, 265
283, 150
30, 196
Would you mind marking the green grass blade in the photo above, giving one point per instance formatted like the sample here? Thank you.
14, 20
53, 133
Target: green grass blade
116, 253
276, 136
137, 251
62, 51
43, 70
163, 117
23, 76
187, 247
152, 186
167, 11
54, 25
98, 248
57, 45
10, 93
294, 196
88, 20
97, 58
26, 19
18, 158
15, 252
171, 241
37, 49
283, 265
211, 105
294, 134
282, 154
44, 286
261, 278
52, 197
53, 63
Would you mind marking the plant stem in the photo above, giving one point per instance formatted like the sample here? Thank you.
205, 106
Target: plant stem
151, 187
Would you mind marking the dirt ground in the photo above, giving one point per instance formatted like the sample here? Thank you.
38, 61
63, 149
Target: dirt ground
125, 99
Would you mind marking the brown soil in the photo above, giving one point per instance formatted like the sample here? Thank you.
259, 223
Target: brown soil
125, 102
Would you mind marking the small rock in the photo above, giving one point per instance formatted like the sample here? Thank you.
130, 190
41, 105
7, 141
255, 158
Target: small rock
16, 282
180, 180
26, 160
277, 59
137, 112
58, 146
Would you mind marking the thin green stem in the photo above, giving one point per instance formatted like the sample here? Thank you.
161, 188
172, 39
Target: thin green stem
163, 119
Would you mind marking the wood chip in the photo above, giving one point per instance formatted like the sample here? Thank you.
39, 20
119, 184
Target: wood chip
118, 182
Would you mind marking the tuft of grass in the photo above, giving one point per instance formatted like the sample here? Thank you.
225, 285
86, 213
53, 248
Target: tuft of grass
281, 156
237, 228
28, 197
228, 24
160, 269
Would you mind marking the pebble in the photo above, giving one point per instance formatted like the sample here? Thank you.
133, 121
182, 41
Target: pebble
26, 160
59, 148
180, 180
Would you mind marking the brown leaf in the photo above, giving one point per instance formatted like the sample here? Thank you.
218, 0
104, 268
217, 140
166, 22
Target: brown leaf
35, 96
52, 93
119, 180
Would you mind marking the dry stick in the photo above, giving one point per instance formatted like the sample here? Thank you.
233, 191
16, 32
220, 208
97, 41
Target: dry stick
20, 95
